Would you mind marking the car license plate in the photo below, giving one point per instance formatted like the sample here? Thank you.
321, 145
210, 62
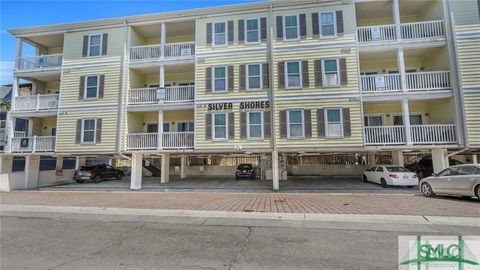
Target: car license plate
405, 176
244, 171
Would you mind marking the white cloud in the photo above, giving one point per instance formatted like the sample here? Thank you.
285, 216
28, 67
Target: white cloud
6, 72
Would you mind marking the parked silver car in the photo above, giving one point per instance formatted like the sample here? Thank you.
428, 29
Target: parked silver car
463, 180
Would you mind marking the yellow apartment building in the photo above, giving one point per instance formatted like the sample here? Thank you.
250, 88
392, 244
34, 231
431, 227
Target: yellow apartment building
280, 84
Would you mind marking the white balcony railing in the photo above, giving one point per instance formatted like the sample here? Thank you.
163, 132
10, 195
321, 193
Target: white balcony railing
177, 140
380, 33
409, 31
431, 134
36, 102
33, 144
142, 141
39, 62
383, 135
182, 50
432, 80
381, 83
19, 134
172, 94
420, 30
170, 140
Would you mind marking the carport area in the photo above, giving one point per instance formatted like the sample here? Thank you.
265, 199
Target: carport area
302, 184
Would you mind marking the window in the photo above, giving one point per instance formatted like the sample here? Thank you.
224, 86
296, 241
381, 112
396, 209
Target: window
219, 34
166, 127
88, 130
94, 45
220, 126
327, 24
467, 170
373, 120
292, 29
254, 76
254, 125
252, 30
293, 75
334, 125
379, 169
185, 127
295, 123
91, 87
152, 128
220, 79
415, 119
331, 72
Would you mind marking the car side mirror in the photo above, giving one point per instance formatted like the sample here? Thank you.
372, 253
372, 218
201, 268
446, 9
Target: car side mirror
434, 174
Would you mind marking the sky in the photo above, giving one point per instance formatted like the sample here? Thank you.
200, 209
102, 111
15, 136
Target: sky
26, 13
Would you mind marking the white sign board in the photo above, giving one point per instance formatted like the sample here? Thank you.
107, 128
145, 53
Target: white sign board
379, 82
160, 93
375, 33
185, 52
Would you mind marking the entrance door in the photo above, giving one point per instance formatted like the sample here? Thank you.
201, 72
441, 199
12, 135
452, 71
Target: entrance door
152, 128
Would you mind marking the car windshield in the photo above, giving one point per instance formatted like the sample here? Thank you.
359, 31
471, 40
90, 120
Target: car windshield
244, 166
397, 169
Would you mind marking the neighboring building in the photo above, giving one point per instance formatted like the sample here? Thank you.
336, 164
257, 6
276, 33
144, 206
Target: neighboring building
276, 82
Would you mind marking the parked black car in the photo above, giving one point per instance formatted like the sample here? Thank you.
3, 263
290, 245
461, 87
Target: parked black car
424, 167
245, 171
97, 173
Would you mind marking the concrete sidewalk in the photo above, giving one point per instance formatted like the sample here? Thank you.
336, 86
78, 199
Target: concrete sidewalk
357, 204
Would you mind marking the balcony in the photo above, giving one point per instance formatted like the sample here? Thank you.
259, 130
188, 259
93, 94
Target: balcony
418, 81
33, 144
39, 63
36, 103
408, 31
173, 94
169, 51
170, 141
420, 134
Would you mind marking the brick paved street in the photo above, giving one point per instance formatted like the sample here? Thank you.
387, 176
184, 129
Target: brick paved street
386, 204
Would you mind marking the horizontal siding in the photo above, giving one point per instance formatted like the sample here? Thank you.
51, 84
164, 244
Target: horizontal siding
472, 113
66, 132
70, 86
74, 44
469, 56
315, 142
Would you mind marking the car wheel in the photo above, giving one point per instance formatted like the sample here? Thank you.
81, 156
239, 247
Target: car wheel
477, 191
119, 176
427, 190
383, 183
98, 179
365, 179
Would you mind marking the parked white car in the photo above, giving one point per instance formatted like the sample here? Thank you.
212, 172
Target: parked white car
390, 175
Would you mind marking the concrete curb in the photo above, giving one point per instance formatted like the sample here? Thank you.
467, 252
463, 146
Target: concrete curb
384, 219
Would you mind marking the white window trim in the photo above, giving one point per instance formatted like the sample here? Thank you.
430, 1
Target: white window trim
261, 126
86, 86
258, 30
226, 127
382, 115
334, 24
188, 122
213, 34
285, 28
300, 73
94, 131
101, 45
303, 124
324, 75
213, 79
326, 123
247, 77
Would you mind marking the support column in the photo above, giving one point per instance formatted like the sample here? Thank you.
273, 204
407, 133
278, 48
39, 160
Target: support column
275, 171
183, 166
406, 121
6, 163
401, 69
397, 158
396, 18
136, 171
32, 169
474, 159
19, 52
59, 166
80, 161
160, 130
371, 159
165, 177
439, 159
163, 38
